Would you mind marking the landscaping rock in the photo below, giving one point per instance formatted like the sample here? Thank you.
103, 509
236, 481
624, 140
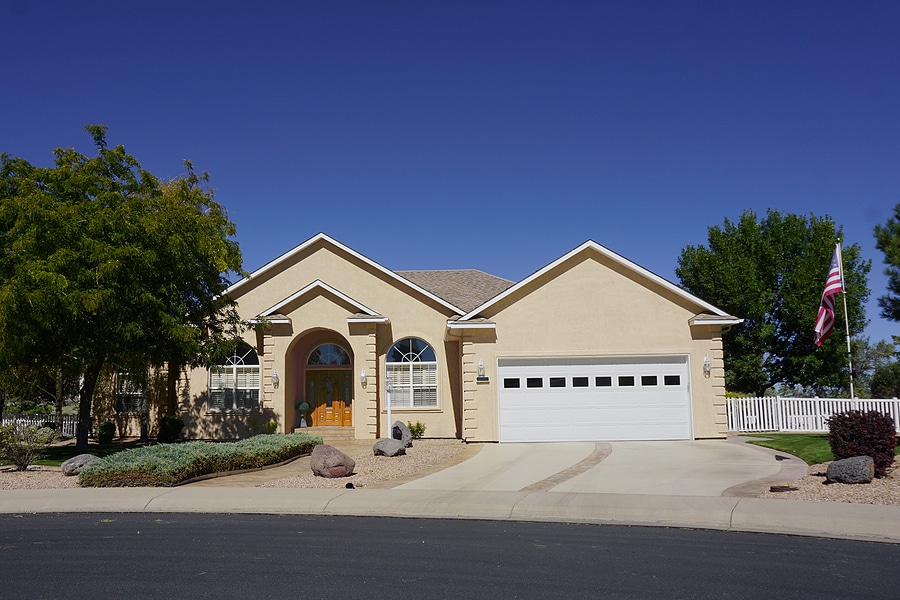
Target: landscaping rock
74, 465
389, 447
328, 461
399, 431
858, 469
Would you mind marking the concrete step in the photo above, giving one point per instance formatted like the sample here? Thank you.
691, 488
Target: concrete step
329, 434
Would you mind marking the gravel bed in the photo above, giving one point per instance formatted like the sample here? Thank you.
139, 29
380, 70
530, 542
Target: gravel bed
41, 478
813, 487
371, 470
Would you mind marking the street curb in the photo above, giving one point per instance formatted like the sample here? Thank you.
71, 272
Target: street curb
793, 517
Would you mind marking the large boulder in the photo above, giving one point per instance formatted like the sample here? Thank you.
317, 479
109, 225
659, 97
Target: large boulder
857, 469
328, 461
76, 464
389, 447
399, 431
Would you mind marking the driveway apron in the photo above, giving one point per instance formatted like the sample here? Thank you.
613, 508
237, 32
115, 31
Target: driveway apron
677, 468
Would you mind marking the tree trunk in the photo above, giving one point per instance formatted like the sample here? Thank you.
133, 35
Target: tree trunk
85, 400
59, 400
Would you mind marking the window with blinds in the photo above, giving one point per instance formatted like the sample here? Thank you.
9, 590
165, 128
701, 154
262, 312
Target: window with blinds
131, 393
412, 373
235, 384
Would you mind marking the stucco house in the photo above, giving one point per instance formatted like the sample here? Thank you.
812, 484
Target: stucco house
589, 347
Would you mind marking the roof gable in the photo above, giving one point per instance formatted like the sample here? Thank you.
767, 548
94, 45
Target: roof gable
298, 251
320, 286
589, 247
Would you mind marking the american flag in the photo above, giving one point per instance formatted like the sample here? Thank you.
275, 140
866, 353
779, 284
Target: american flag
833, 285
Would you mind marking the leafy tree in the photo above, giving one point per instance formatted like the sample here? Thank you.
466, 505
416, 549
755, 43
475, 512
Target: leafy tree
771, 272
868, 359
886, 381
887, 239
102, 264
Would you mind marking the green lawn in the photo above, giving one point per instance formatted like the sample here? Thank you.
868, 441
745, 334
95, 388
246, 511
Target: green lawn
810, 447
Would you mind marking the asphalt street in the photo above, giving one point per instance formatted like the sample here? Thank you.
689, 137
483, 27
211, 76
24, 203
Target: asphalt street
75, 556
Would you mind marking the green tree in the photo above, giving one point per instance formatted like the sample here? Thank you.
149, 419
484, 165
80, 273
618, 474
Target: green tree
868, 359
887, 239
102, 264
886, 381
771, 272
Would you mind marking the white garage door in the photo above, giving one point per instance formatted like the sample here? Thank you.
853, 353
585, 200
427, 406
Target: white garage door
594, 399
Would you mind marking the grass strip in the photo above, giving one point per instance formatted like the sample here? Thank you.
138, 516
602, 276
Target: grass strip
812, 448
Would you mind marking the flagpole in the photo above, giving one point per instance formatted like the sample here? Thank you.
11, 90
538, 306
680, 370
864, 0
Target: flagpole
846, 317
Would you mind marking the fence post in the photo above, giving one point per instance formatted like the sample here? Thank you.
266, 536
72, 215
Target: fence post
779, 422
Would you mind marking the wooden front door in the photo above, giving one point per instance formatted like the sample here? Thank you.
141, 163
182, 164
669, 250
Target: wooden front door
329, 394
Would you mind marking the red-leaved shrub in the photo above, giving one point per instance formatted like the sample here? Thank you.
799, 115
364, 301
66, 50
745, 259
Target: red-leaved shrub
857, 433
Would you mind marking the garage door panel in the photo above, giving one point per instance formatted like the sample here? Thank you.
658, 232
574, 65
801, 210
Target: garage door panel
601, 398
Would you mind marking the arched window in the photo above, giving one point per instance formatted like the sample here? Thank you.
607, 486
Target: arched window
234, 384
328, 355
412, 373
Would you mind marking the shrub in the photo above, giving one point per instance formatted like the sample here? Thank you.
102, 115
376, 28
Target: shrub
417, 430
105, 432
169, 429
856, 433
171, 464
22, 445
271, 427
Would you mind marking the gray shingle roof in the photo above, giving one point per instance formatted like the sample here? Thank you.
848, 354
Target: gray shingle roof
464, 288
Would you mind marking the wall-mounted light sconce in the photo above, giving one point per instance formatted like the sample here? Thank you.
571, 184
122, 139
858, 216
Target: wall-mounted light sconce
362, 377
707, 366
480, 368
275, 380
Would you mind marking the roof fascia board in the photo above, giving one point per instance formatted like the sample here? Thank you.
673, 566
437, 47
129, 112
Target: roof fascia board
723, 321
374, 319
470, 325
276, 321
590, 244
323, 237
319, 284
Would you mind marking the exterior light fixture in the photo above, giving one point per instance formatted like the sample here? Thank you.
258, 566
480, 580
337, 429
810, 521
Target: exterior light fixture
480, 368
707, 366
275, 380
362, 377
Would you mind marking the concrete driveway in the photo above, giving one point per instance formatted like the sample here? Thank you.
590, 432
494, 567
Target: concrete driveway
676, 468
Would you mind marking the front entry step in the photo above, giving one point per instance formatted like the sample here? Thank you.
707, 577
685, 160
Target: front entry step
329, 434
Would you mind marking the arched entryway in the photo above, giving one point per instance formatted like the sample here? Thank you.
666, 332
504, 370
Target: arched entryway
329, 386
323, 370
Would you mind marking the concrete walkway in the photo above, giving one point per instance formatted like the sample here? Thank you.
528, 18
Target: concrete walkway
697, 484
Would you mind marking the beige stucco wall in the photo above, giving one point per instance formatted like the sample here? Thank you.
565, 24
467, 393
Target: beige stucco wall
591, 306
128, 424
320, 314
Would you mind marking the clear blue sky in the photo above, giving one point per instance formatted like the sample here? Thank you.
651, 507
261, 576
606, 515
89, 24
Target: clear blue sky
489, 135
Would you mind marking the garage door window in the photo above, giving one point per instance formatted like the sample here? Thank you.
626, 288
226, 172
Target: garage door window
412, 371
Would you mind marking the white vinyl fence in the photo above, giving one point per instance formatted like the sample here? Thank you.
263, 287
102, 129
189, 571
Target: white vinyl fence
774, 413
69, 422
